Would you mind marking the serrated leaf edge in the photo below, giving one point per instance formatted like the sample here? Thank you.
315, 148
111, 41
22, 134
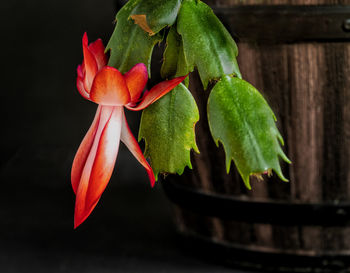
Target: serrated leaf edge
279, 153
191, 147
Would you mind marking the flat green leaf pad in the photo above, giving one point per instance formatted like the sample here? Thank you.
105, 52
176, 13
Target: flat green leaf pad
129, 43
174, 63
167, 126
240, 118
207, 43
154, 15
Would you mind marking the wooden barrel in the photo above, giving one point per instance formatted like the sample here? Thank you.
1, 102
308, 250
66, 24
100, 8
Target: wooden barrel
297, 53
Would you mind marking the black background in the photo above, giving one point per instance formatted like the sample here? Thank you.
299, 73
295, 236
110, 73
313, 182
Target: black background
43, 121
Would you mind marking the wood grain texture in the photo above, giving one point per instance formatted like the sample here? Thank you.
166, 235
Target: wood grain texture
308, 87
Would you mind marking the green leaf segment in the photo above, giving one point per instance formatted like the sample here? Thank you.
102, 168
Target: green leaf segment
130, 44
168, 129
153, 16
207, 44
243, 122
238, 115
175, 63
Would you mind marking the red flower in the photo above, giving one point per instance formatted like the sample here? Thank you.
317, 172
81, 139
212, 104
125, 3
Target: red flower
95, 159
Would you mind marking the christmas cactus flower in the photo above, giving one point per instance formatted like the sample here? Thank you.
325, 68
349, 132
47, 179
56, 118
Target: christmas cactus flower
111, 90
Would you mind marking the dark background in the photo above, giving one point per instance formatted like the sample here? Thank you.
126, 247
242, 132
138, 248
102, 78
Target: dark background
44, 120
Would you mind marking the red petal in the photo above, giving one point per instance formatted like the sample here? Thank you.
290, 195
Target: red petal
136, 79
109, 88
80, 71
98, 50
157, 92
128, 139
83, 152
81, 88
99, 164
105, 157
90, 64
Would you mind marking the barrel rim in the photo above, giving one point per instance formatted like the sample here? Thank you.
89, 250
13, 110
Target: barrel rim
239, 208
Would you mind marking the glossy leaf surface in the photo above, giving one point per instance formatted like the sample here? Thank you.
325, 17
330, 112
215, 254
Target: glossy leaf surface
207, 43
174, 64
167, 126
153, 15
240, 118
129, 43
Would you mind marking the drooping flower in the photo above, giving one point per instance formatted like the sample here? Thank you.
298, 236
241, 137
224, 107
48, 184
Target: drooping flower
95, 159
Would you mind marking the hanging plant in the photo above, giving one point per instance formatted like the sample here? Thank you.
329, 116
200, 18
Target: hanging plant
238, 115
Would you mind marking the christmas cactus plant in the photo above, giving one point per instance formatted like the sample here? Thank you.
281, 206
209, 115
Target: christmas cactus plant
195, 39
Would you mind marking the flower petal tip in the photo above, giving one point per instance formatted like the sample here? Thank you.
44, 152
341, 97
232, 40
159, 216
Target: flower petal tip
81, 216
141, 67
85, 39
78, 220
76, 225
151, 177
